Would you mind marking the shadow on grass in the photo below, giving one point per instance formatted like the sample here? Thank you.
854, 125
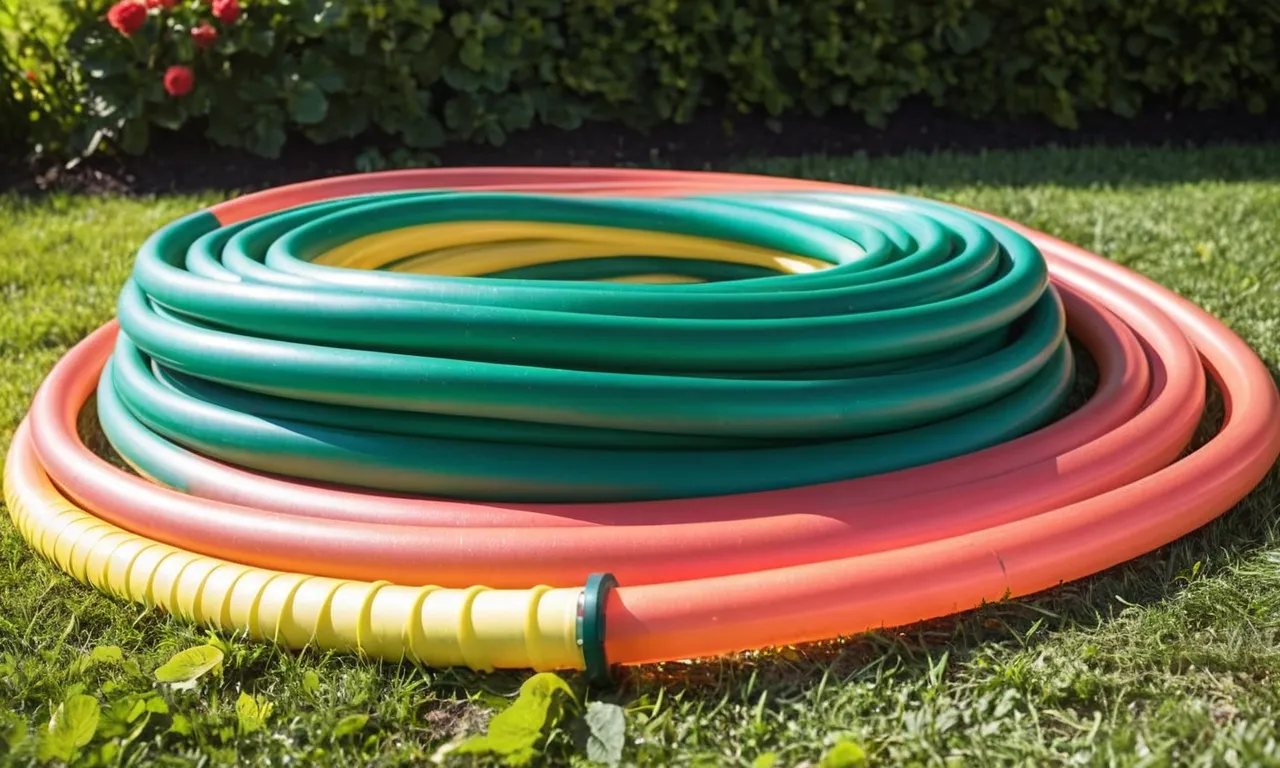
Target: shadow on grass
1084, 605
913, 651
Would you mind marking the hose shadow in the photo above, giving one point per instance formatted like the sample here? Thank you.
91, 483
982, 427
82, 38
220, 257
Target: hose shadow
991, 641
1244, 535
1083, 606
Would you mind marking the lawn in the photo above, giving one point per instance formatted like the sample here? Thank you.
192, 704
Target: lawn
1173, 659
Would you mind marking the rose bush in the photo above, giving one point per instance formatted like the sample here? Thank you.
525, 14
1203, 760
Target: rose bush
204, 35
427, 71
226, 11
128, 16
179, 80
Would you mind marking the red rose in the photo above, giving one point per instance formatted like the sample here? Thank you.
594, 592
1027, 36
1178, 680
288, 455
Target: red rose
179, 80
165, 4
127, 16
226, 11
204, 35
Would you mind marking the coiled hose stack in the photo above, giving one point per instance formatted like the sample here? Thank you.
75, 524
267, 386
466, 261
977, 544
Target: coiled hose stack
572, 418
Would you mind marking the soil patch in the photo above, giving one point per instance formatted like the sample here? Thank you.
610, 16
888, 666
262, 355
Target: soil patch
185, 162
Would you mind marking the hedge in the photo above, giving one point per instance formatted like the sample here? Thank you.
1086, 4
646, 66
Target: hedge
425, 72
37, 99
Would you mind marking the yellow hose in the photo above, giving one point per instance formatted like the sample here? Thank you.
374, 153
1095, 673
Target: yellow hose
493, 246
478, 627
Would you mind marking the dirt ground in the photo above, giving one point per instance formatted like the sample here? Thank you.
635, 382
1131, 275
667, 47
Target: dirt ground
185, 162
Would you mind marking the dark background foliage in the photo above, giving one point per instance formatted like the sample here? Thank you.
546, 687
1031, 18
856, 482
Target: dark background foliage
422, 74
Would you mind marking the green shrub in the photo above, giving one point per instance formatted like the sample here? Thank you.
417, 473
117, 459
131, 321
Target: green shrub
14, 128
37, 95
429, 71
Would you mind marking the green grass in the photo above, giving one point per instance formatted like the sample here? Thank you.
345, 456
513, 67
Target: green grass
1173, 659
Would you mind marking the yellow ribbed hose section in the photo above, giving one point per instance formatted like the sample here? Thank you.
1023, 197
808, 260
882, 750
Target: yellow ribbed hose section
478, 248
481, 628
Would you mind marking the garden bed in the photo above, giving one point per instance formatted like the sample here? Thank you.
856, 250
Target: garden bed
185, 162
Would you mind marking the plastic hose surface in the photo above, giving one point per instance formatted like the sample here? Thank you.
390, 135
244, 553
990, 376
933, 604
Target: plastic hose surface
927, 335
798, 410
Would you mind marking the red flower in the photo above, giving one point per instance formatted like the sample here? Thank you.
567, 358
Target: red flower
179, 80
204, 35
165, 4
226, 11
127, 16
32, 77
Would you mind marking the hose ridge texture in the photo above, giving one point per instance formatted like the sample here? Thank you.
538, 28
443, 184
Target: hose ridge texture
774, 410
233, 364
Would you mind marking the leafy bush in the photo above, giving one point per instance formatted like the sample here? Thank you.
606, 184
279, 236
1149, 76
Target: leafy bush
37, 95
428, 71
13, 97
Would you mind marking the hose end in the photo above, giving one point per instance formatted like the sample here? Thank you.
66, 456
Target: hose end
591, 628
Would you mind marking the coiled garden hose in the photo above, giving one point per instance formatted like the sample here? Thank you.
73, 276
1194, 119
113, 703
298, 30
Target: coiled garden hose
768, 410
551, 390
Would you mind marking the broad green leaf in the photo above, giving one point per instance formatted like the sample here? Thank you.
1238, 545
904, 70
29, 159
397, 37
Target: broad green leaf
346, 118
845, 754
357, 42
516, 732
765, 760
349, 725
71, 727
223, 130
169, 114
320, 71
13, 731
307, 104
267, 138
607, 731
472, 54
186, 667
429, 65
106, 654
495, 135
79, 718
424, 132
260, 41
461, 79
252, 712
135, 136
119, 714
180, 725
460, 24
310, 681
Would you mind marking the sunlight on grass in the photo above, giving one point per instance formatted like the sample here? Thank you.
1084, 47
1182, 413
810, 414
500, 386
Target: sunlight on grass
1171, 659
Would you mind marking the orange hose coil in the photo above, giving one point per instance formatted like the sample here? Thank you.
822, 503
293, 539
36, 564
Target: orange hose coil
698, 577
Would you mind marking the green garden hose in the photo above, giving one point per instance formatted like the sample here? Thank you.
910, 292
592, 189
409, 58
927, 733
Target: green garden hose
919, 336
